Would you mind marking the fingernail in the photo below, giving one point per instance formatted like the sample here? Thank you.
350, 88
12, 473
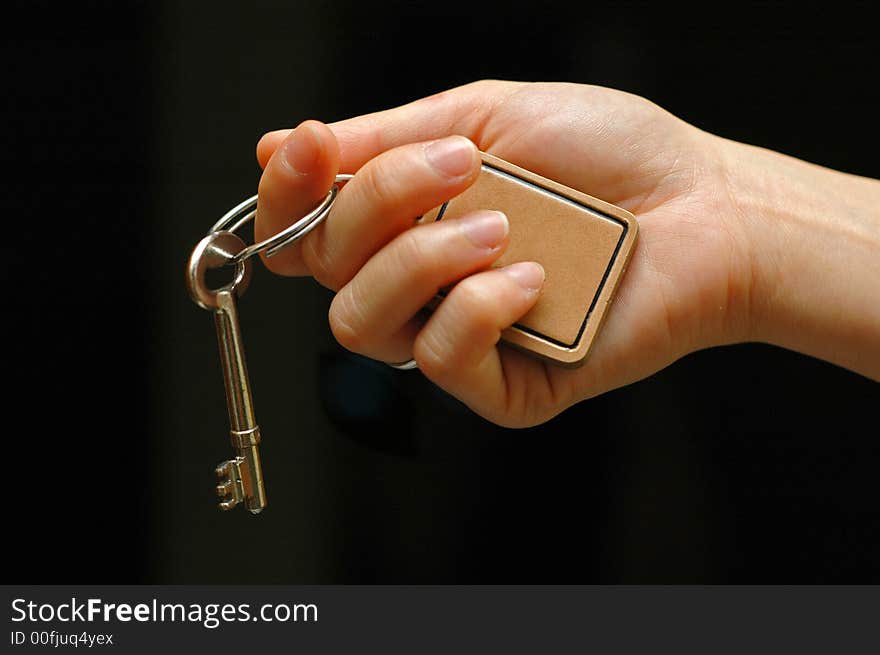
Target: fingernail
528, 275
302, 149
485, 229
452, 156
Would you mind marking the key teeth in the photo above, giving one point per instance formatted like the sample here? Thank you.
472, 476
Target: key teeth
229, 489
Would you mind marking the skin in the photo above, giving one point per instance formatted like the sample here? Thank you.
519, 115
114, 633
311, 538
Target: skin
736, 243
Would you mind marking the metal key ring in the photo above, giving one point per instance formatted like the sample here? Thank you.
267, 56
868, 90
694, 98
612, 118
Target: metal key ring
245, 211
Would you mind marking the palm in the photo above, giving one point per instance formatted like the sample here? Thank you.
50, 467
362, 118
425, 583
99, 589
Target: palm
680, 283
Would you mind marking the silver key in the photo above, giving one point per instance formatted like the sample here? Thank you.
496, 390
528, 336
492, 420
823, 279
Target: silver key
240, 478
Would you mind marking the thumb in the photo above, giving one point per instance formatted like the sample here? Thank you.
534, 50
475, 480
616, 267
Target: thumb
296, 178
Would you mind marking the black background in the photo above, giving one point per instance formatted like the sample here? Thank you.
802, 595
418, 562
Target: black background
129, 127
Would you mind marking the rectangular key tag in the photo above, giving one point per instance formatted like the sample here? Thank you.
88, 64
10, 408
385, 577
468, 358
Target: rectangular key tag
583, 243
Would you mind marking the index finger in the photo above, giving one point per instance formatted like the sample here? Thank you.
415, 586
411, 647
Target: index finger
463, 110
296, 178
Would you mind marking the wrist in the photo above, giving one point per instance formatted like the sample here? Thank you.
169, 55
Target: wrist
814, 239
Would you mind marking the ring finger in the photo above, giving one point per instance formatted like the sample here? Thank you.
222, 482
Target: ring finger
373, 313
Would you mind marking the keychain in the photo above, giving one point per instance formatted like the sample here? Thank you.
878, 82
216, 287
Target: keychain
583, 244
240, 479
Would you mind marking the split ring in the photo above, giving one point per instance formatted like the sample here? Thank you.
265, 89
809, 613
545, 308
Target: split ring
245, 211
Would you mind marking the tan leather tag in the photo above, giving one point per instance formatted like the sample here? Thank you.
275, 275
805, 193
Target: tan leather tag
583, 243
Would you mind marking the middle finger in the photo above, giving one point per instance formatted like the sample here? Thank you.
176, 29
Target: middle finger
372, 314
383, 199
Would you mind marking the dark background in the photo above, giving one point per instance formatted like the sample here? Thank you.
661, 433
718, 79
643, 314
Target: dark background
129, 127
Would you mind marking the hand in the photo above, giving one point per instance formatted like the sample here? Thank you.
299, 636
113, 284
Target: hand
698, 276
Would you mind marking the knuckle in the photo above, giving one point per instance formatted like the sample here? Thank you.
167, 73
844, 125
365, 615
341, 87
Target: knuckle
344, 322
434, 353
487, 83
318, 259
412, 257
477, 304
380, 182
467, 323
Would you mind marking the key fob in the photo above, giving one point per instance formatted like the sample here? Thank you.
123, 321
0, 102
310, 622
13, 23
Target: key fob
584, 245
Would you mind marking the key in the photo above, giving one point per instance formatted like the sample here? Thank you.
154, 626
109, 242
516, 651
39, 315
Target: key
240, 479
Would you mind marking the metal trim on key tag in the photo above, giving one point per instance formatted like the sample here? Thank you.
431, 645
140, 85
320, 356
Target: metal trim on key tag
240, 479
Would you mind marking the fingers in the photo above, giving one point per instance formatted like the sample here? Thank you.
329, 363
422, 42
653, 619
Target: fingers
296, 179
372, 314
578, 135
457, 347
379, 203
463, 110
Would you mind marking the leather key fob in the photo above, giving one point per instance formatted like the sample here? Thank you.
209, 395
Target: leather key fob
583, 243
